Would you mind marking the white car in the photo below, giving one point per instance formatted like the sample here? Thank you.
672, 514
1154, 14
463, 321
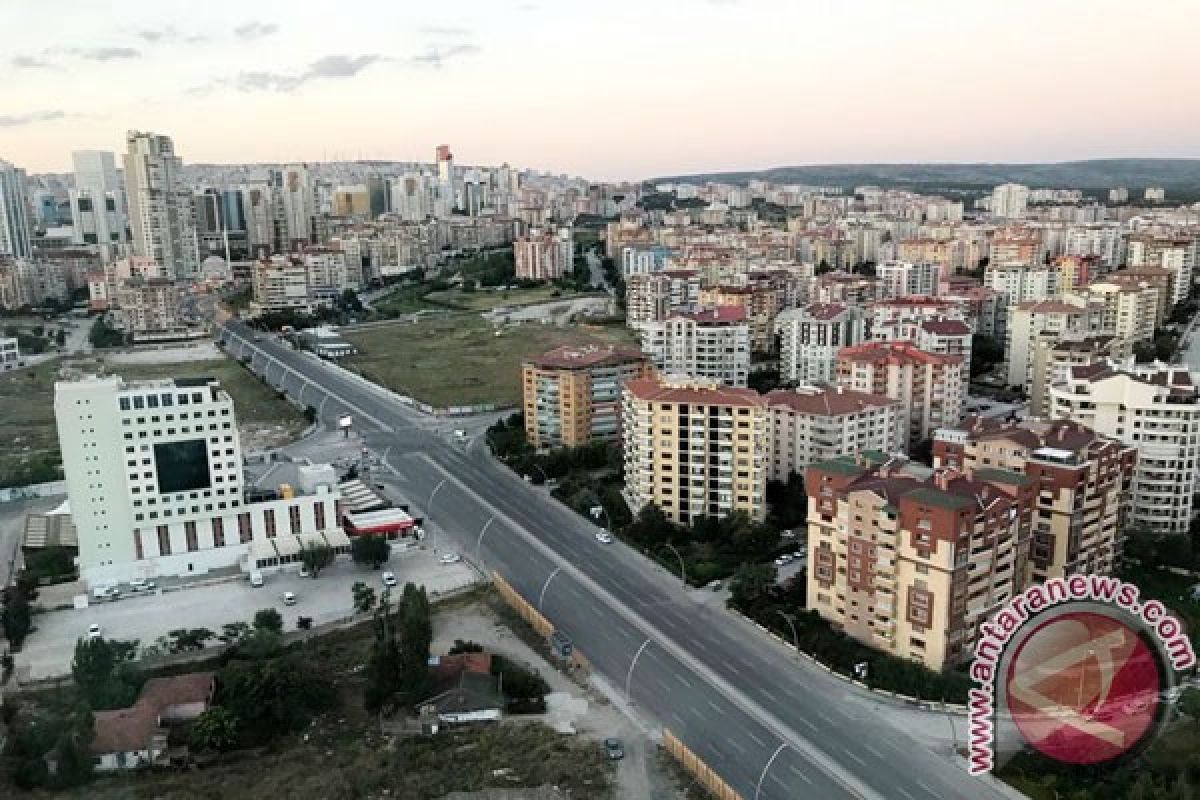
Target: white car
141, 585
389, 579
93, 631
783, 560
289, 598
604, 538
450, 558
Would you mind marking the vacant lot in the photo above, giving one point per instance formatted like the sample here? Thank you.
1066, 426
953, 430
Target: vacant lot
487, 299
27, 409
459, 360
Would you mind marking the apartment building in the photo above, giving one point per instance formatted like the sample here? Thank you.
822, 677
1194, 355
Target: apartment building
16, 228
572, 395
1170, 253
154, 479
544, 255
1155, 277
162, 217
146, 305
695, 448
1054, 354
903, 278
1102, 241
655, 296
1129, 311
1026, 321
931, 388
945, 337
761, 303
644, 260
810, 338
912, 563
280, 283
712, 343
1154, 408
1010, 200
900, 318
1075, 272
1079, 476
845, 287
1021, 283
810, 424
949, 254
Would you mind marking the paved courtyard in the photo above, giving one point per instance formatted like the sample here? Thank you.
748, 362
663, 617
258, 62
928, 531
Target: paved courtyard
145, 617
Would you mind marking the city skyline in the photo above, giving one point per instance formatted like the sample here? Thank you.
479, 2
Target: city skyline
619, 93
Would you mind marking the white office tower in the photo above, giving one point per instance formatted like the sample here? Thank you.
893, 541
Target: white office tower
161, 216
154, 482
298, 205
410, 197
98, 202
15, 237
1009, 200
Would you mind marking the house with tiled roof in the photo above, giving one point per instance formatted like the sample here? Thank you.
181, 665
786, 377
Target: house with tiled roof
133, 737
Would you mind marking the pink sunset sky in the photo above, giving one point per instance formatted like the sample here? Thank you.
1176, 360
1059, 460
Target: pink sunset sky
623, 89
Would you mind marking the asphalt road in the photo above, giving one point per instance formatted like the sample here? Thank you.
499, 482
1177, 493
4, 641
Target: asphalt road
772, 726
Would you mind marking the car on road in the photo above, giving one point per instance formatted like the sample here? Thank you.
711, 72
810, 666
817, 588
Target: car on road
799, 555
141, 585
450, 558
604, 538
93, 631
783, 560
106, 592
289, 598
256, 579
614, 749
389, 579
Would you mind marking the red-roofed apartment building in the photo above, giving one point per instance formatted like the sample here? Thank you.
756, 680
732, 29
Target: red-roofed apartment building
930, 387
695, 448
809, 424
572, 395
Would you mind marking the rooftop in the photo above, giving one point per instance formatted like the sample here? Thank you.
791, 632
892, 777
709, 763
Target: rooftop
715, 314
671, 390
894, 353
827, 400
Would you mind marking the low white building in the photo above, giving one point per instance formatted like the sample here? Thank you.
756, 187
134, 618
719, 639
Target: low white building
10, 353
154, 481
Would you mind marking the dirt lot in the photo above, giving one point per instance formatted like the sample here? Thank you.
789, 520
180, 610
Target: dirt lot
460, 360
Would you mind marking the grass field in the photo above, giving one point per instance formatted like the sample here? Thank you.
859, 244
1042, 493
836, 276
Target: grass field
487, 299
27, 407
458, 360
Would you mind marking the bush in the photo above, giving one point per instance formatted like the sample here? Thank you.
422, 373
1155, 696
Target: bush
524, 689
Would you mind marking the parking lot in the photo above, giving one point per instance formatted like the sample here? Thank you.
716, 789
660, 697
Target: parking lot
146, 616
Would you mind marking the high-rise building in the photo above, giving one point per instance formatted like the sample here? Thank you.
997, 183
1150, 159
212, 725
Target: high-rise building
912, 563
810, 338
161, 214
932, 388
98, 202
694, 448
298, 206
1154, 408
810, 424
1009, 200
713, 344
572, 395
1026, 321
1079, 476
1055, 353
655, 296
15, 230
902, 278
544, 255
154, 478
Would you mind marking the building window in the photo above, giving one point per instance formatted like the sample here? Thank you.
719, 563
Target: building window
269, 520
137, 544
319, 515
164, 540
245, 529
218, 531
294, 516
189, 532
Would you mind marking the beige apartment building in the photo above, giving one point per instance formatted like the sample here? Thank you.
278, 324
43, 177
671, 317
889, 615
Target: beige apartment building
544, 255
761, 303
572, 395
810, 424
1026, 321
911, 563
695, 448
145, 305
1129, 311
1079, 477
1054, 354
931, 388
654, 296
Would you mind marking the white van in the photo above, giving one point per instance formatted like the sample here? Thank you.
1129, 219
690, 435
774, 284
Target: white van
256, 579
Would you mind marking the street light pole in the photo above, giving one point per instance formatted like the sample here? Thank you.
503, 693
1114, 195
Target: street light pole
632, 664
682, 567
763, 776
429, 511
479, 541
791, 621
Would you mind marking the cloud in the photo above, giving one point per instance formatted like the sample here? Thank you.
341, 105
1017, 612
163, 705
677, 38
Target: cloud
170, 34
29, 62
255, 30
445, 30
19, 120
106, 53
437, 57
331, 67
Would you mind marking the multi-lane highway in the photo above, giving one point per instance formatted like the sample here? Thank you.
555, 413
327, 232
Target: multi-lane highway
772, 726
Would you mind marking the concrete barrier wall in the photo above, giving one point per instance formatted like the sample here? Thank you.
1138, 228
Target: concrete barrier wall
703, 774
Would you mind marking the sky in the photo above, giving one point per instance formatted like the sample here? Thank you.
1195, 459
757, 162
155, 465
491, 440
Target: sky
622, 89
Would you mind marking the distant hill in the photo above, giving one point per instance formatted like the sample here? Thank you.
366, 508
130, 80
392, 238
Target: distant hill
1181, 174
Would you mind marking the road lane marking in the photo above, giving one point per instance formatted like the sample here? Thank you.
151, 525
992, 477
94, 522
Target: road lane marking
854, 758
808, 724
761, 743
825, 718
906, 794
713, 706
770, 696
925, 786
683, 680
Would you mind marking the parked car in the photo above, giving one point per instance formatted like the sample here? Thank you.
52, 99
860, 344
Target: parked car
783, 560
450, 558
289, 598
141, 585
715, 585
389, 579
256, 579
788, 534
614, 749
93, 631
106, 592
303, 571
604, 538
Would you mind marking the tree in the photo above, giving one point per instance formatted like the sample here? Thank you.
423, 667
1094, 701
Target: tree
271, 696
350, 301
104, 674
1144, 352
364, 597
71, 749
370, 550
184, 639
269, 620
986, 352
383, 673
234, 632
17, 617
416, 635
316, 558
751, 584
1189, 704
215, 729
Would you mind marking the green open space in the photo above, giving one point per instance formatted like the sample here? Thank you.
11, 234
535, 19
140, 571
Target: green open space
488, 299
27, 409
461, 360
